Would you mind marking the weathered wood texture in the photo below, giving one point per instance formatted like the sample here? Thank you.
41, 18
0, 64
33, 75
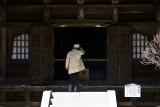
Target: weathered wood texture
113, 55
41, 54
50, 13
30, 96
19, 15
3, 56
119, 54
16, 68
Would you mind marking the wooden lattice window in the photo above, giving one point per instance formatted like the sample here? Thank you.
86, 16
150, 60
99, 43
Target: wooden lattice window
125, 39
35, 39
140, 42
21, 47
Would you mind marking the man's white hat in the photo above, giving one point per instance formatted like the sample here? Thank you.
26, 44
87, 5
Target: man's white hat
76, 45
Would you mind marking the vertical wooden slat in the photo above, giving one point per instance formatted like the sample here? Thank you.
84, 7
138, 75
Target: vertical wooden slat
125, 54
2, 97
27, 97
112, 55
3, 54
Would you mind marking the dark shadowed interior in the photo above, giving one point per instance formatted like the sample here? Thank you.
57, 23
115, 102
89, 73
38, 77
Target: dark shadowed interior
92, 40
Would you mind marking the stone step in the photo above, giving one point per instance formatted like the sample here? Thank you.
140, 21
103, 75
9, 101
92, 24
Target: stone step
79, 95
98, 105
79, 101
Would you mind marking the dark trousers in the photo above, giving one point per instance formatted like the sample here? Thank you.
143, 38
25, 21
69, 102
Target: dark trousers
73, 82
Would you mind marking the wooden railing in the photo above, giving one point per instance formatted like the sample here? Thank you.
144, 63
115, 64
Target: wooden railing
25, 95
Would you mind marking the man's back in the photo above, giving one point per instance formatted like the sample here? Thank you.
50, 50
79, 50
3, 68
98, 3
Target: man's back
74, 61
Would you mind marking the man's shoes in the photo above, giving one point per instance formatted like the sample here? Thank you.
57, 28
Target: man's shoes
70, 88
76, 89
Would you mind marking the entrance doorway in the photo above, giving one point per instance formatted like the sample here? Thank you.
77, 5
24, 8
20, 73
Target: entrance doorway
92, 40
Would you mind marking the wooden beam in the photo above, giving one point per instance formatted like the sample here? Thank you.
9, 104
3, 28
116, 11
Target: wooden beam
35, 104
22, 24
65, 23
14, 104
3, 56
140, 24
86, 22
4, 1
126, 12
27, 97
77, 23
84, 6
61, 21
124, 103
115, 1
148, 104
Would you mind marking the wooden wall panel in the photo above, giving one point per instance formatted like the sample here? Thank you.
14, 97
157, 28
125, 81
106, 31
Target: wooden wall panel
125, 58
119, 54
16, 69
113, 55
41, 55
3, 49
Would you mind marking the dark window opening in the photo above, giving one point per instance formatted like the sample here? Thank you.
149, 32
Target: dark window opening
92, 40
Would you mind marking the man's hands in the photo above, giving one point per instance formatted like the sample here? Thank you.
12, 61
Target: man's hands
66, 68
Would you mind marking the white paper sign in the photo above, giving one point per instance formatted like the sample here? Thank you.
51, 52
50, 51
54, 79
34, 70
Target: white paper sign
132, 90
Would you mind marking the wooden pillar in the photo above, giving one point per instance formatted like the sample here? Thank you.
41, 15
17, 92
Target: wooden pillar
157, 14
4, 1
2, 97
2, 54
2, 42
158, 18
27, 97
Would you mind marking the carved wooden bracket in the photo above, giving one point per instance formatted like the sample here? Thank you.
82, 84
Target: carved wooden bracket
81, 14
4, 1
46, 15
115, 15
158, 29
80, 2
2, 14
45, 1
115, 1
158, 14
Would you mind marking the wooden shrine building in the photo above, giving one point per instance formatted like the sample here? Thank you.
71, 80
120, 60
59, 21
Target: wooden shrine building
35, 36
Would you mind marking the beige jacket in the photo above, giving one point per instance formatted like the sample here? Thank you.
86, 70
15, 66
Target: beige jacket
74, 61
